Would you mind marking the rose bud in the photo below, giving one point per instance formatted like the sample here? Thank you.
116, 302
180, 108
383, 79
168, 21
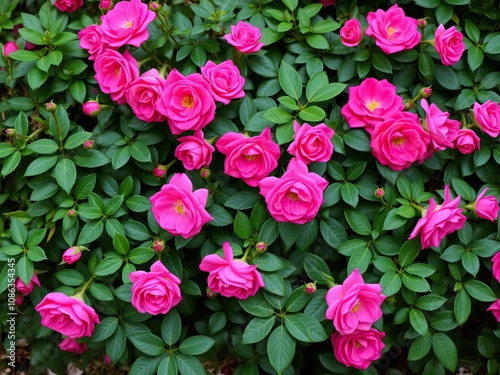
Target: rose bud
91, 108
9, 47
72, 254
160, 170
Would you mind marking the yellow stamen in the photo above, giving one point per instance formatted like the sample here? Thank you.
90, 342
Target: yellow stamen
398, 141
356, 307
250, 157
293, 196
188, 101
127, 24
179, 208
372, 106
390, 30
117, 72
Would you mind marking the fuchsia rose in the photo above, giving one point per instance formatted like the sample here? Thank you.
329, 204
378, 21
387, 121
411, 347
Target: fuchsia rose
439, 220
27, 289
155, 292
180, 210
9, 47
295, 197
194, 151
231, 277
127, 23
351, 33
68, 6
312, 144
392, 30
354, 305
495, 266
371, 103
358, 349
66, 315
400, 141
72, 346
225, 80
143, 94
442, 130
487, 116
449, 44
495, 309
486, 207
244, 37
187, 102
467, 141
250, 159
91, 40
115, 72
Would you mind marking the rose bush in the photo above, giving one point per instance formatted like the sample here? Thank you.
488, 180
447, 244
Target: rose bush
259, 187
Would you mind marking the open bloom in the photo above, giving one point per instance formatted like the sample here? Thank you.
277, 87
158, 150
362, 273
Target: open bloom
92, 40
439, 220
495, 266
143, 94
67, 315
358, 349
467, 141
392, 30
354, 305
351, 33
127, 23
312, 144
249, 158
486, 207
449, 44
72, 346
68, 6
442, 130
178, 209
27, 289
295, 197
225, 80
155, 292
244, 37
495, 309
231, 277
194, 151
371, 103
487, 116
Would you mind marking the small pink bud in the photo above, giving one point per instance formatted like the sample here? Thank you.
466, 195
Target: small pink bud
51, 107
422, 23
211, 294
425, 92
160, 170
107, 360
91, 108
154, 6
105, 4
158, 245
9, 47
379, 193
310, 288
72, 254
89, 144
19, 299
72, 213
261, 246
408, 105
10, 132
205, 173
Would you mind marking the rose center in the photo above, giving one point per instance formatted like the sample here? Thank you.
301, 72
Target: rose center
357, 345
390, 30
356, 307
127, 24
179, 208
250, 157
293, 196
188, 101
398, 141
372, 106
117, 72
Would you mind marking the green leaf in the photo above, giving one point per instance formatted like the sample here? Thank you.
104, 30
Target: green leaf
447, 77
470, 261
101, 292
316, 268
418, 322
381, 63
139, 203
65, 173
145, 365
333, 233
120, 244
486, 346
390, 283
147, 343
285, 133
167, 366
357, 139
188, 365
274, 283
269, 262
41, 165
171, 327
485, 248
480, 291
291, 4
115, 346
25, 269
305, 328
258, 329
290, 80
297, 300
108, 266
43, 146
11, 162
409, 251
242, 226
415, 283
120, 157
217, 322
105, 329
465, 99
77, 139
358, 222
475, 57
278, 115
18, 232
257, 306
462, 307
426, 67
350, 194
70, 277
269, 231
318, 41
312, 113
78, 91
493, 45
445, 350
280, 349
140, 152
420, 347
36, 77
243, 200
23, 55
195, 345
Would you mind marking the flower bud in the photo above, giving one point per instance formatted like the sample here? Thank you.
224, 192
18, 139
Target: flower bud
408, 105
51, 107
261, 246
154, 6
91, 108
310, 288
425, 92
379, 193
72, 254
107, 360
72, 213
211, 294
205, 173
19, 299
9, 47
160, 170
422, 23
105, 4
88, 144
10, 132
159, 245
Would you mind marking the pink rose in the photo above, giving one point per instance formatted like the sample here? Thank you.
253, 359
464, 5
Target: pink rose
231, 277
155, 292
487, 116
72, 254
354, 305
495, 266
351, 33
72, 346
187, 102
442, 130
68, 5
449, 44
312, 143
9, 47
194, 151
371, 103
244, 37
467, 141
180, 210
127, 23
160, 170
91, 108
400, 141
143, 94
91, 39
66, 315
486, 207
495, 309
439, 221
392, 30
27, 289
295, 197
250, 159
358, 349
225, 80
115, 72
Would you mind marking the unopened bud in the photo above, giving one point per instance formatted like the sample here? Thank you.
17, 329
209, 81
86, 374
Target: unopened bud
91, 108
19, 300
89, 144
10, 132
72, 254
72, 213
425, 92
205, 173
51, 106
159, 245
9, 47
107, 360
211, 294
310, 288
379, 193
105, 4
154, 6
422, 23
160, 170
408, 105
261, 246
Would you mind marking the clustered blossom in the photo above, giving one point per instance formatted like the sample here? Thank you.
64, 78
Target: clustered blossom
353, 307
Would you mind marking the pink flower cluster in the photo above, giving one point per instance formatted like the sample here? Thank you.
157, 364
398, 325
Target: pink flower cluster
353, 307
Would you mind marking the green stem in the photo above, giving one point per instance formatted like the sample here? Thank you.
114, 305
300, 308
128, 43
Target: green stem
79, 295
245, 255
